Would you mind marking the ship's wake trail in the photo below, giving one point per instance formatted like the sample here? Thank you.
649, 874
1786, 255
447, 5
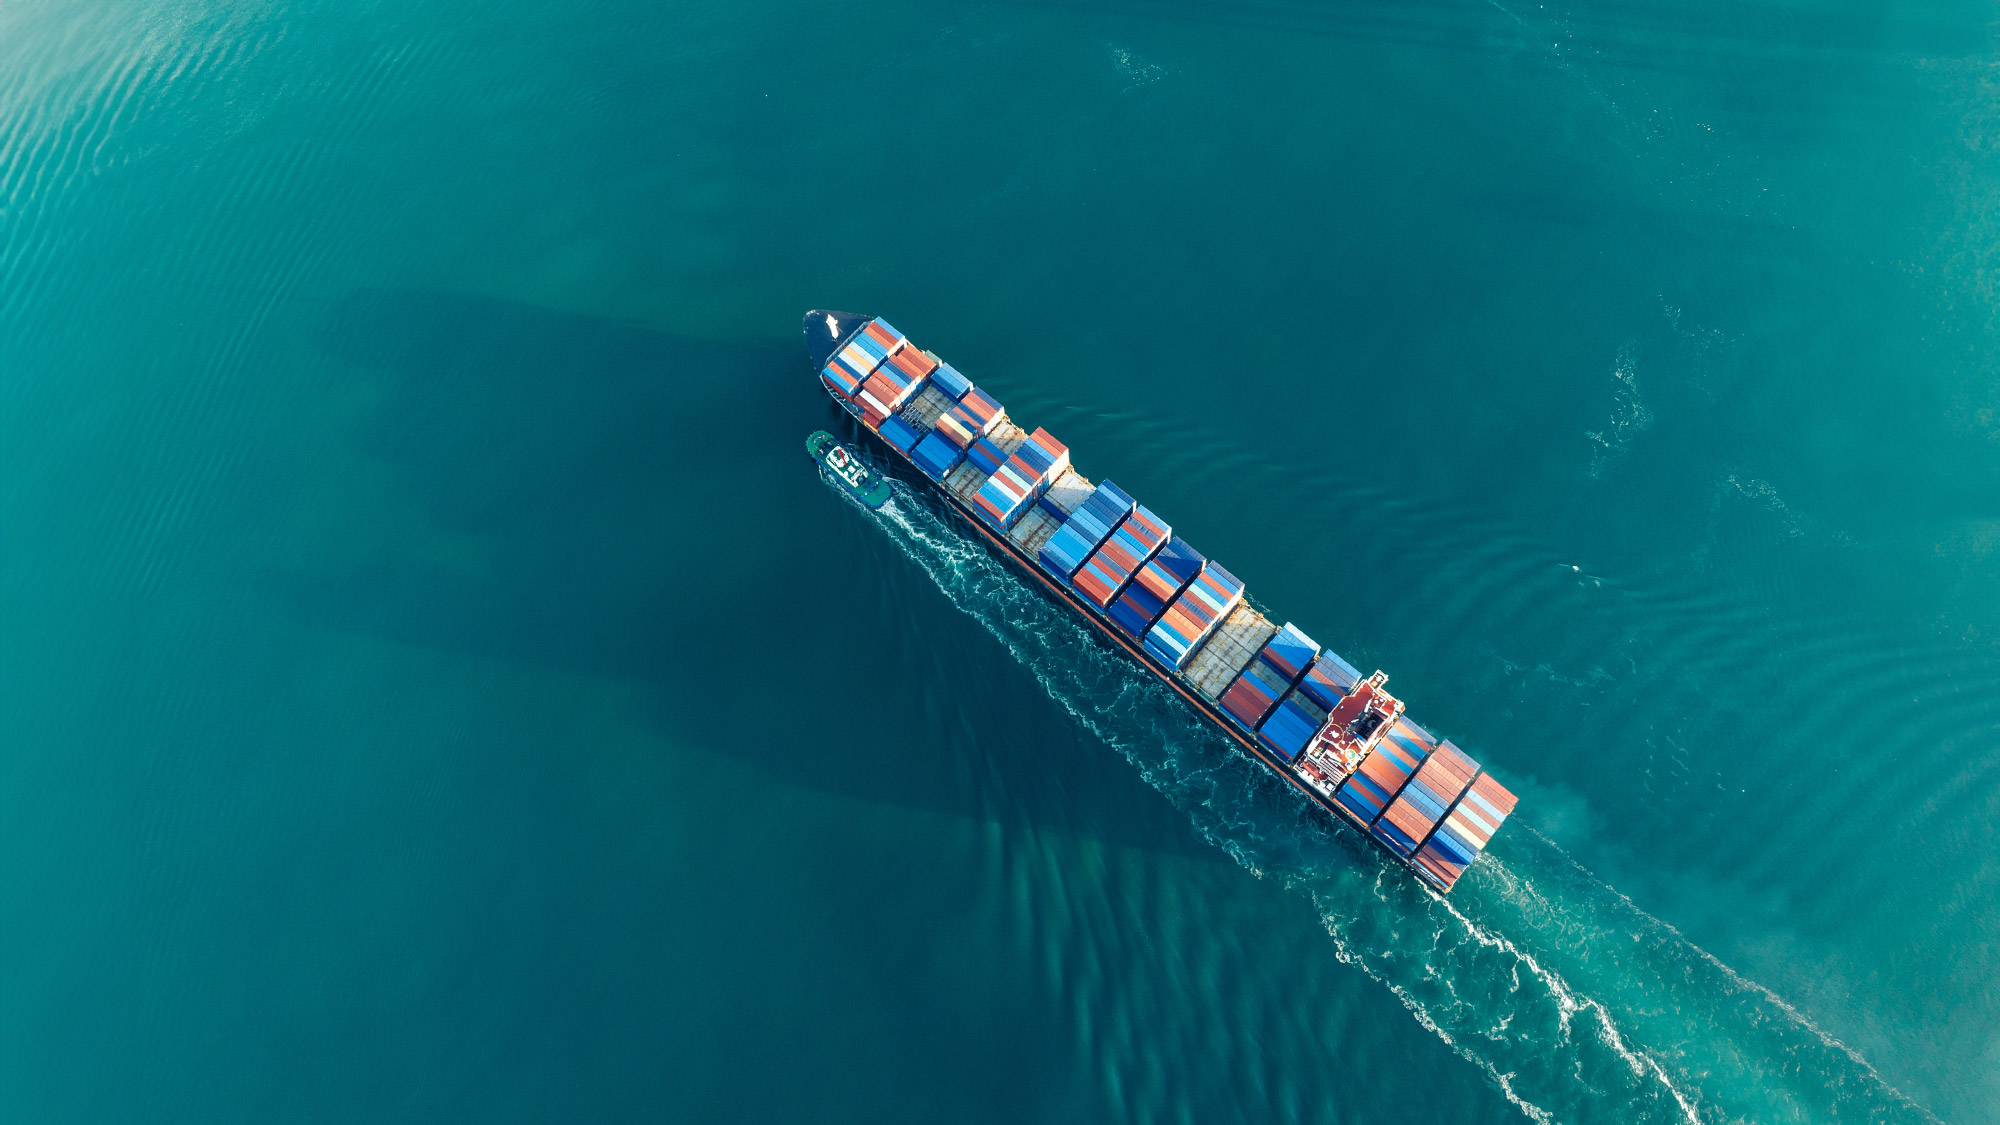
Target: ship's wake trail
1571, 1001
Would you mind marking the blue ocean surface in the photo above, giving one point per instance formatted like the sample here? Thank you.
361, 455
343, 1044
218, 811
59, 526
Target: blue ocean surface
434, 684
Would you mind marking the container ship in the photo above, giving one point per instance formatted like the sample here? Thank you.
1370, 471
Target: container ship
1336, 735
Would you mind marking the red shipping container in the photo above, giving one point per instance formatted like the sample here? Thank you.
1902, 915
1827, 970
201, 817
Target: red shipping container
882, 337
914, 363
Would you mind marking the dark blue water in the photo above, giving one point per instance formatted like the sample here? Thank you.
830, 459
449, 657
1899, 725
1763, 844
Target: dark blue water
434, 684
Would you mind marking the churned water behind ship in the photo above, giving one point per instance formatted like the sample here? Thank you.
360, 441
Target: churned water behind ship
435, 685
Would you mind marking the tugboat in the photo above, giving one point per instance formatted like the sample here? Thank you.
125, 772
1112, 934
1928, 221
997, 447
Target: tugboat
871, 490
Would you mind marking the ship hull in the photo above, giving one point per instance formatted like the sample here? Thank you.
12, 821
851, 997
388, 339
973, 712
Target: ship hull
1418, 798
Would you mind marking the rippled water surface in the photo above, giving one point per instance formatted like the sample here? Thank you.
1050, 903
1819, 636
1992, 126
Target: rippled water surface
437, 685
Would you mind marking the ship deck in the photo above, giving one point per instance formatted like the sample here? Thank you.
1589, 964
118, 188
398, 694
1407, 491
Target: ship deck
1089, 614
1381, 775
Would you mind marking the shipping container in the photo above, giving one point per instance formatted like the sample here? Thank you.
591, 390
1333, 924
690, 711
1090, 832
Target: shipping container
914, 363
1085, 530
1437, 783
1414, 739
1380, 777
873, 411
846, 368
1103, 576
1156, 585
838, 379
1002, 499
1015, 485
907, 387
883, 391
1179, 633
1346, 739
861, 354
1229, 650
869, 348
898, 433
1292, 725
988, 456
1465, 832
974, 416
1250, 699
1478, 814
1329, 679
937, 457
947, 379
881, 335
1290, 653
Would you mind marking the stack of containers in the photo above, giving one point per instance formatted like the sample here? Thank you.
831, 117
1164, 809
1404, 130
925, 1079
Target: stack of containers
1157, 583
898, 433
1112, 565
936, 456
1293, 723
910, 365
1253, 694
1413, 738
1370, 788
1015, 485
864, 352
1291, 727
982, 460
892, 384
1329, 679
1179, 631
1422, 803
947, 379
1087, 527
976, 413
1279, 664
1464, 833
986, 456
881, 336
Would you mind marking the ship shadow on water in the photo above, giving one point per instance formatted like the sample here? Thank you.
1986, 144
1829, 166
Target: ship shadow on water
633, 506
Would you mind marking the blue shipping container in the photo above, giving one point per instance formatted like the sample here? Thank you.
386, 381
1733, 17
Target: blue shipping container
1291, 652
1328, 680
947, 379
898, 433
1292, 726
987, 456
936, 456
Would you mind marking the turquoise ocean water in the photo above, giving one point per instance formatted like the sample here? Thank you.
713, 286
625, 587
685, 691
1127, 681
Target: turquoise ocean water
434, 685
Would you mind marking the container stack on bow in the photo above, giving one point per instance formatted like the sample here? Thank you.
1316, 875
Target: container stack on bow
902, 374
848, 367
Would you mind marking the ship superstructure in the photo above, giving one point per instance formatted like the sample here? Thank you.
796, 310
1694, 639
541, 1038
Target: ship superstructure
1303, 711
